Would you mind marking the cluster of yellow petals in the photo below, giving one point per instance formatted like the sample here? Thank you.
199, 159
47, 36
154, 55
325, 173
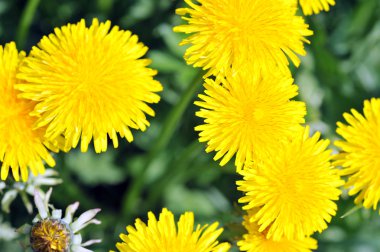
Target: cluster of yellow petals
235, 33
22, 147
255, 241
247, 114
165, 235
77, 85
360, 157
294, 188
310, 7
89, 83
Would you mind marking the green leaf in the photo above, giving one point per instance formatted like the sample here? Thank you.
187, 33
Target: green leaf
93, 169
164, 62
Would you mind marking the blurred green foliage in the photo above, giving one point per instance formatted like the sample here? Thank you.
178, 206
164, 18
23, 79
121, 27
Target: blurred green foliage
166, 166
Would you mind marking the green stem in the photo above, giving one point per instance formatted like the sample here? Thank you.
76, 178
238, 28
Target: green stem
351, 211
26, 21
131, 196
170, 124
178, 166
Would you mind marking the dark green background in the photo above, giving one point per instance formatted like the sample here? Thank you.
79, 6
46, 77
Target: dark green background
166, 166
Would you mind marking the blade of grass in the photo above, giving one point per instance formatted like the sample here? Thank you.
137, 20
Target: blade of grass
132, 194
25, 22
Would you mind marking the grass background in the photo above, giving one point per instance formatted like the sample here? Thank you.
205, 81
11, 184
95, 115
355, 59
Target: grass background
166, 166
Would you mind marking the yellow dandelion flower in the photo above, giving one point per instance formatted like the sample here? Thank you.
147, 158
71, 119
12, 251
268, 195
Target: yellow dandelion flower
294, 187
247, 115
360, 153
310, 7
21, 147
259, 33
90, 83
293, 3
163, 235
254, 241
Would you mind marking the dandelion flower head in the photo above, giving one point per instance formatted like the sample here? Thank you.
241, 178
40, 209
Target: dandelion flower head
21, 146
254, 241
225, 33
165, 236
294, 188
360, 158
51, 232
90, 83
247, 114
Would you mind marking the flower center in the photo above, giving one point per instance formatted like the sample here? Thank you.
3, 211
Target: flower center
50, 235
258, 114
252, 114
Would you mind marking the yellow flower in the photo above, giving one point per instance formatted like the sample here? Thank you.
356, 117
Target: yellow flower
310, 7
247, 115
164, 236
90, 83
360, 157
294, 188
254, 241
258, 33
21, 146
